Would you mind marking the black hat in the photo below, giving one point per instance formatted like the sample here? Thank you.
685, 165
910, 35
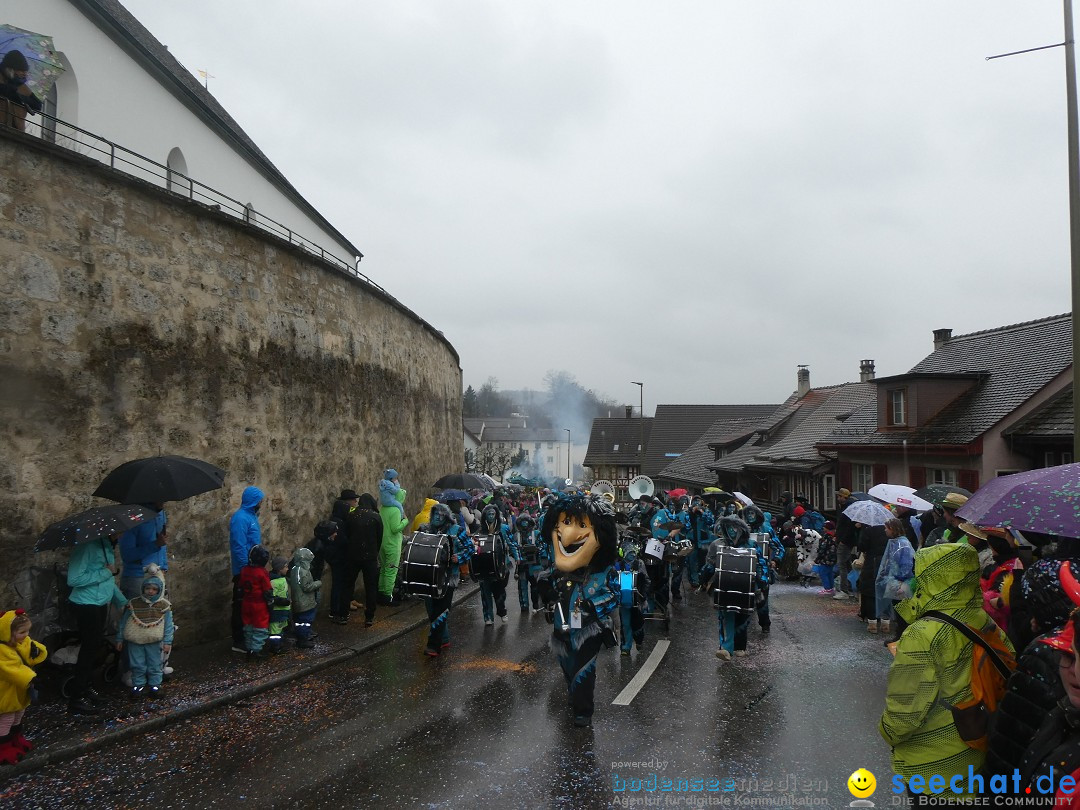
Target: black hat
14, 60
348, 495
326, 528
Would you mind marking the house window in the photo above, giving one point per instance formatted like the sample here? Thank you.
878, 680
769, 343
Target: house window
536, 446
1048, 459
502, 445
862, 477
615, 449
551, 459
829, 499
897, 407
550, 445
947, 477
1066, 458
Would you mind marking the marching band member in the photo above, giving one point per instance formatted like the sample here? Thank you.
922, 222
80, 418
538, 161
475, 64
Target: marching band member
731, 531
493, 589
631, 620
659, 581
438, 610
681, 510
701, 523
584, 540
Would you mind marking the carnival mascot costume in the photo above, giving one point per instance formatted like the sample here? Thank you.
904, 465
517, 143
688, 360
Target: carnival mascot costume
579, 600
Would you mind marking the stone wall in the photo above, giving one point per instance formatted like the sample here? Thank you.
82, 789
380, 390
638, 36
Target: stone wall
134, 322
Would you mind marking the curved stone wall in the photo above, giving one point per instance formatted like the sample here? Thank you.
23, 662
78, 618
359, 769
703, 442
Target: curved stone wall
134, 322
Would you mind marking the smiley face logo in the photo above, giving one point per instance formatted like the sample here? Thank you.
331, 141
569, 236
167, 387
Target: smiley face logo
862, 783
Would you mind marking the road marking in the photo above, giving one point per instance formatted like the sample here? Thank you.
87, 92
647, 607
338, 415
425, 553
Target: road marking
643, 674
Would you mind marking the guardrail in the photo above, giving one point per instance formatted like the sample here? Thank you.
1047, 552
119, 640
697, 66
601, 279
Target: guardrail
68, 136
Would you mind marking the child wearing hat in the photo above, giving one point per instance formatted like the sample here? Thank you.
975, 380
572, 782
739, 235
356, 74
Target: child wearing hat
146, 629
279, 611
18, 657
388, 490
257, 595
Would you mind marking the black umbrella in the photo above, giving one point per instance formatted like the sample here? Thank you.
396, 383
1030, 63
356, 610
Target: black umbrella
160, 479
935, 493
461, 481
92, 524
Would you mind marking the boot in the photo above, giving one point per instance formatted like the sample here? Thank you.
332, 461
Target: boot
18, 740
9, 754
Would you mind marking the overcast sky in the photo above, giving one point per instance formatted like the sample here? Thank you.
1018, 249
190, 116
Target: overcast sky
700, 194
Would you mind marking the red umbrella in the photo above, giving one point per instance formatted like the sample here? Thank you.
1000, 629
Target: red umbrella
676, 493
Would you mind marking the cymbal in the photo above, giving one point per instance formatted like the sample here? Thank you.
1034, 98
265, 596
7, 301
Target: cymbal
671, 525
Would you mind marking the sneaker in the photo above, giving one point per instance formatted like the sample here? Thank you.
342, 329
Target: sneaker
489, 622
766, 628
339, 619
840, 596
637, 645
239, 649
153, 691
505, 618
740, 653
885, 625
626, 653
368, 623
138, 691
828, 592
445, 645
723, 654
430, 653
872, 628
166, 670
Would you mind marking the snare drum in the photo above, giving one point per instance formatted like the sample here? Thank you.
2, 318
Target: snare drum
735, 584
761, 539
490, 560
425, 569
530, 554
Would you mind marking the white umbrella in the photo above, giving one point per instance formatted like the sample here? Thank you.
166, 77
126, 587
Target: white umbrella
900, 495
869, 513
743, 499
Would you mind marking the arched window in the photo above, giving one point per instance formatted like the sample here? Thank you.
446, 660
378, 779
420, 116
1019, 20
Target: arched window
249, 213
176, 165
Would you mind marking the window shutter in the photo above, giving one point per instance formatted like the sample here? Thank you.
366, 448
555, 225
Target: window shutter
968, 479
843, 474
917, 477
881, 474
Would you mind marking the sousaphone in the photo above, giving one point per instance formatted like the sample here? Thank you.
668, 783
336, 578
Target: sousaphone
640, 485
604, 488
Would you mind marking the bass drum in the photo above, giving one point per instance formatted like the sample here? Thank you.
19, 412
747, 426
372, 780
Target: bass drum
425, 565
490, 561
735, 585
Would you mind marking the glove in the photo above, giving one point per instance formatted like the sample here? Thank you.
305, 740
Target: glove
35, 649
32, 692
607, 636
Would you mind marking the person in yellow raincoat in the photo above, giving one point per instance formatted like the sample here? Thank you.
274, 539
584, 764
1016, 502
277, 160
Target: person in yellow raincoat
18, 657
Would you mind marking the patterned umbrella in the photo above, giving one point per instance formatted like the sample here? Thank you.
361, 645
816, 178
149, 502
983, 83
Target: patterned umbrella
45, 67
900, 495
869, 513
92, 524
1046, 501
935, 493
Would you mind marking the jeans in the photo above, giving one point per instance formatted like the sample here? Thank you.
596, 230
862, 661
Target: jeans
843, 559
732, 628
631, 626
523, 592
492, 590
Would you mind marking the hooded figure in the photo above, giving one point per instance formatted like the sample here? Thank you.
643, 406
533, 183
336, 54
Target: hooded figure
732, 624
461, 551
493, 588
18, 656
392, 512
304, 595
244, 531
932, 667
145, 629
630, 580
584, 540
388, 490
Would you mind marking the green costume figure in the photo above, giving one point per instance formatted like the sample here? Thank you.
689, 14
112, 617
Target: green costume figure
392, 512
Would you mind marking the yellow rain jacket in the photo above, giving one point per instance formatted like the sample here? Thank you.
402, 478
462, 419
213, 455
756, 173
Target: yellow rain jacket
15, 666
424, 516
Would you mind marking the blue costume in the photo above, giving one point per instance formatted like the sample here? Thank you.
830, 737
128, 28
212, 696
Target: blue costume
577, 592
732, 624
700, 534
681, 510
658, 570
631, 620
493, 589
527, 574
438, 610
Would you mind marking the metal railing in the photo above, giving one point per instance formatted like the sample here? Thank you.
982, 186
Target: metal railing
68, 136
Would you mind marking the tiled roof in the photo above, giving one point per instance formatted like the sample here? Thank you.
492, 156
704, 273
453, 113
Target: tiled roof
677, 427
478, 424
607, 433
119, 24
692, 466
1017, 361
517, 434
1054, 419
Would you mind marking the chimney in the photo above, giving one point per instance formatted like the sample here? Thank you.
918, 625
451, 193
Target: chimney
804, 381
941, 337
866, 371
629, 411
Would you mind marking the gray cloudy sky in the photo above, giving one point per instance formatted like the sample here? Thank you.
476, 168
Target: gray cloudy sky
700, 194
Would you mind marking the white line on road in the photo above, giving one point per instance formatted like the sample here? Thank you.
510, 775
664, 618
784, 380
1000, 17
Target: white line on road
643, 674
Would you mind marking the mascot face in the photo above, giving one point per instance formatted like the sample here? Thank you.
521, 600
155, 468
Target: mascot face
574, 540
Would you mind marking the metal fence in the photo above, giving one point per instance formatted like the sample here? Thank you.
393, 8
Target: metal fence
75, 139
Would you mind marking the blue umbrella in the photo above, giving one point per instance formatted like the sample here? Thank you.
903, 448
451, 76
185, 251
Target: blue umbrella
448, 495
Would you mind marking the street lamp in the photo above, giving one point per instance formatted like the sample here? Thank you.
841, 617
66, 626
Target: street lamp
568, 452
641, 421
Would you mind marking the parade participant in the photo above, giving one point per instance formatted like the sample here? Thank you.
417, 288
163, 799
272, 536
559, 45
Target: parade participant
394, 523
731, 531
701, 523
438, 610
659, 580
759, 524
584, 540
681, 510
525, 527
493, 589
631, 620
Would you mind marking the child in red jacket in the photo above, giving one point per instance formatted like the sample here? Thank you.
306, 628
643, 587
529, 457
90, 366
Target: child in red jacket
258, 595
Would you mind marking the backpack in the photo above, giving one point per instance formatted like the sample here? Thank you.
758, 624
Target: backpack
991, 664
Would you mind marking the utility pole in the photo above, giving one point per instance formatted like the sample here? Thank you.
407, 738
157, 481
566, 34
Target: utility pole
568, 453
641, 422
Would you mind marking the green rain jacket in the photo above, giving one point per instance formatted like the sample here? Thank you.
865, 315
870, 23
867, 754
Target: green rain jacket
932, 668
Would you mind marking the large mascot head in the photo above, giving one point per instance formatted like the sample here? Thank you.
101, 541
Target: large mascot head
582, 532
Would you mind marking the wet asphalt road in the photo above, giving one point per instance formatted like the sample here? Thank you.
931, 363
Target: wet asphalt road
487, 725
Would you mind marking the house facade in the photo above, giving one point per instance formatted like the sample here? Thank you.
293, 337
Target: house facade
980, 405
617, 448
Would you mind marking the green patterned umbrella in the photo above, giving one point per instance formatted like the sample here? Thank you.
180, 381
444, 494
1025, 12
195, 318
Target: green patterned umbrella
45, 67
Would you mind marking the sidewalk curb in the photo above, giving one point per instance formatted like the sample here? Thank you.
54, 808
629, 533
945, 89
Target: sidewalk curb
66, 752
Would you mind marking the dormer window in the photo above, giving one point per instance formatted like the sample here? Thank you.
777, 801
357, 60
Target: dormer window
897, 408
